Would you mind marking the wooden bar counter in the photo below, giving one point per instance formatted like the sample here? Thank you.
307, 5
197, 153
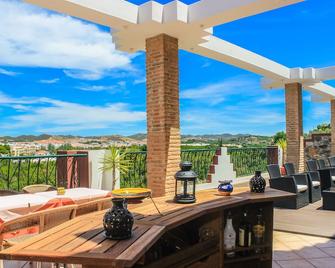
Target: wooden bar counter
183, 236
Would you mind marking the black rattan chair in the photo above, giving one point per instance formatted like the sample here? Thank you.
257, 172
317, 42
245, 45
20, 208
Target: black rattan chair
313, 178
322, 165
331, 161
293, 184
324, 173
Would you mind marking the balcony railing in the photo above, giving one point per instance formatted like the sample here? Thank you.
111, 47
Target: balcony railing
245, 160
201, 160
17, 172
137, 174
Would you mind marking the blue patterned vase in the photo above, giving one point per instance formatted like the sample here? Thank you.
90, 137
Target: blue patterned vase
225, 188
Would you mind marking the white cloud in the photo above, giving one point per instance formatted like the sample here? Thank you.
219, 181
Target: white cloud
49, 81
32, 37
216, 93
140, 81
55, 116
271, 99
119, 86
8, 73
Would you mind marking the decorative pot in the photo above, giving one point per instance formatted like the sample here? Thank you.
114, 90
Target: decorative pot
118, 221
257, 183
225, 188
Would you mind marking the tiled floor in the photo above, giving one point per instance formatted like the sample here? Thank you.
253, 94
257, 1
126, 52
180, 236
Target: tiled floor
302, 251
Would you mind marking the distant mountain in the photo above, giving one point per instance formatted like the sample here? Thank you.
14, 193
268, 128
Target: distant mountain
224, 136
27, 138
137, 137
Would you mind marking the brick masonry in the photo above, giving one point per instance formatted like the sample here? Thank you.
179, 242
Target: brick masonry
332, 109
163, 125
294, 126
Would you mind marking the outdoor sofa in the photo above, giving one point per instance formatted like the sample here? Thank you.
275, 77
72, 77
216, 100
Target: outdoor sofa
313, 178
325, 173
294, 184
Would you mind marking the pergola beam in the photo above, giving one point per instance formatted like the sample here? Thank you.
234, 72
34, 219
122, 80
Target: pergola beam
327, 73
216, 12
111, 13
229, 53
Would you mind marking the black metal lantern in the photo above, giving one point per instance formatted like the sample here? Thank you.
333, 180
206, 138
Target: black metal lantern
185, 184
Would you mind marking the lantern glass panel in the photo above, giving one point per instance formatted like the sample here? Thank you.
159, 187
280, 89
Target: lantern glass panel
185, 187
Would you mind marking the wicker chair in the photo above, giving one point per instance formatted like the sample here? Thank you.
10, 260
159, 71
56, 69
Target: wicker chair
8, 192
38, 188
95, 205
327, 174
44, 220
294, 184
331, 161
313, 178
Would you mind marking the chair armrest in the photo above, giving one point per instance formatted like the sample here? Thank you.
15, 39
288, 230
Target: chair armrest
314, 175
287, 184
301, 179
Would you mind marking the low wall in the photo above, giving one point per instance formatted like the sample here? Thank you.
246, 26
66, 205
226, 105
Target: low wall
318, 146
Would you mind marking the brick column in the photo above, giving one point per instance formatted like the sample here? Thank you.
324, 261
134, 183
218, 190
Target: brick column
294, 128
163, 125
332, 109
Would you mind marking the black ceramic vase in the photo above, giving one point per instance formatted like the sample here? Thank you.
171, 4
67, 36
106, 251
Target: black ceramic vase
118, 221
257, 183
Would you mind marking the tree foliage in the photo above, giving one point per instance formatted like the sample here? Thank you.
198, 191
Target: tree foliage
279, 136
322, 128
4, 150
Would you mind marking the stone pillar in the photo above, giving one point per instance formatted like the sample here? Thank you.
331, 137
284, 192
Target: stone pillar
163, 126
332, 120
294, 128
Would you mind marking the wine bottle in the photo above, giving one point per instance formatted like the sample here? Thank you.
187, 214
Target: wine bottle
259, 232
229, 236
244, 238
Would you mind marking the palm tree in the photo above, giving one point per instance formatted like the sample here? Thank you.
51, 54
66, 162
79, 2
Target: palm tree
282, 144
115, 160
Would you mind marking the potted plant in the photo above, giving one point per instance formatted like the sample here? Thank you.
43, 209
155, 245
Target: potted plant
282, 144
115, 160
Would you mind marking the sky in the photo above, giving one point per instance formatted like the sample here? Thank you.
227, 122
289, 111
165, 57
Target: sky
62, 75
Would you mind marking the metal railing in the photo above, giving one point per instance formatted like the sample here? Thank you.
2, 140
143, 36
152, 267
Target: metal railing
137, 173
247, 160
201, 160
17, 172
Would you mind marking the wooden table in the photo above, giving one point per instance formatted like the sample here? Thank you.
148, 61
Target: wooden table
82, 240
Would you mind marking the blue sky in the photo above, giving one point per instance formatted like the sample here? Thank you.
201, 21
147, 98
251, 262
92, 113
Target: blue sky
61, 75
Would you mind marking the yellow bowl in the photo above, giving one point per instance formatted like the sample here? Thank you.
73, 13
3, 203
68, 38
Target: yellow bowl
132, 193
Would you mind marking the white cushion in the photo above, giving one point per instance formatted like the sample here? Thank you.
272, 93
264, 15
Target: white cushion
302, 188
333, 178
315, 183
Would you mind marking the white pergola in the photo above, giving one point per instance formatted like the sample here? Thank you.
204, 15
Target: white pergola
138, 28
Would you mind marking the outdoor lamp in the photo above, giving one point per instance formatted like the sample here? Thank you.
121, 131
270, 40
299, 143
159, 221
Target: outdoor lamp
185, 184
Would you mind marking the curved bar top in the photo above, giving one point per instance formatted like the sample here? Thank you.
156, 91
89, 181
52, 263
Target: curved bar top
82, 240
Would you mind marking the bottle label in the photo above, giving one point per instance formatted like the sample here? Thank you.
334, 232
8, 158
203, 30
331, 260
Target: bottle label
241, 237
259, 230
229, 241
249, 239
